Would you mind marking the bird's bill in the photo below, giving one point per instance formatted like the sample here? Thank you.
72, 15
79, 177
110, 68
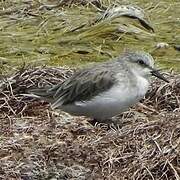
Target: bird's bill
156, 73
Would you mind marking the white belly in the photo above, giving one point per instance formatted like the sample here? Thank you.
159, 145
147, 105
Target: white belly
110, 103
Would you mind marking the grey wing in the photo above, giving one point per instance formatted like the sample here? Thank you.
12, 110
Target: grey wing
43, 93
82, 86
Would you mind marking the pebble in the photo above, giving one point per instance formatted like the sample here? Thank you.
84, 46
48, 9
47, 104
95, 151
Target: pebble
162, 45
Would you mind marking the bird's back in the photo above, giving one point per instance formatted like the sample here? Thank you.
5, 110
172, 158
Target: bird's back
82, 85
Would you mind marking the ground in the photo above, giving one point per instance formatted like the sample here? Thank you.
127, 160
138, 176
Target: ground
39, 143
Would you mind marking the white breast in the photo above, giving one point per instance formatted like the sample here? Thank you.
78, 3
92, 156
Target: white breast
142, 85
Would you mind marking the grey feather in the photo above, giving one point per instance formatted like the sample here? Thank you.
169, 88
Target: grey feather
82, 86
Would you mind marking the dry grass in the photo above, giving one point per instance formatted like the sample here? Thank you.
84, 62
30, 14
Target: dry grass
36, 143
68, 32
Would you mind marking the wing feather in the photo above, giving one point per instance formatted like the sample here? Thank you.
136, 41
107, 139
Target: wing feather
83, 86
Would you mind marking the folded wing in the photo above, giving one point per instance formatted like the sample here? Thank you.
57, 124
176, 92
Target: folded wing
82, 86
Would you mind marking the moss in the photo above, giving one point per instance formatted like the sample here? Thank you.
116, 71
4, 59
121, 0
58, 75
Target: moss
66, 36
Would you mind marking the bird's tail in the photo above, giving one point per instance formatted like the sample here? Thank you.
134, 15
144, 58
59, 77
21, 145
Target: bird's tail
43, 94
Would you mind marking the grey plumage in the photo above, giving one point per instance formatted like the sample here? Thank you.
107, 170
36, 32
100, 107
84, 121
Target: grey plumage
83, 85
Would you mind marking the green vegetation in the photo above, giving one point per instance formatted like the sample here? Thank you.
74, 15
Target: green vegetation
40, 34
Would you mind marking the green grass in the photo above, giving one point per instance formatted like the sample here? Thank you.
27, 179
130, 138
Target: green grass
46, 36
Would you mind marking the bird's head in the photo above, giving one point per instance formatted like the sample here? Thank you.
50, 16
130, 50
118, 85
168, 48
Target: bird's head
142, 64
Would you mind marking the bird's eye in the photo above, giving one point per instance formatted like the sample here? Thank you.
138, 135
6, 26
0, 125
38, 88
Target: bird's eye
141, 62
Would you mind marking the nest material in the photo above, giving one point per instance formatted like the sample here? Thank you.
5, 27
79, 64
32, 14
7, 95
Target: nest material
164, 96
37, 143
11, 100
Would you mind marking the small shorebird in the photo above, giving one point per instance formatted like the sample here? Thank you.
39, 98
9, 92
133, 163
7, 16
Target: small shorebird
104, 90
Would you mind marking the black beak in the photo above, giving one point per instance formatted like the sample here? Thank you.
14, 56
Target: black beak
156, 73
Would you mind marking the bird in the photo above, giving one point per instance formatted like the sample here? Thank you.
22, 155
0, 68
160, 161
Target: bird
103, 90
